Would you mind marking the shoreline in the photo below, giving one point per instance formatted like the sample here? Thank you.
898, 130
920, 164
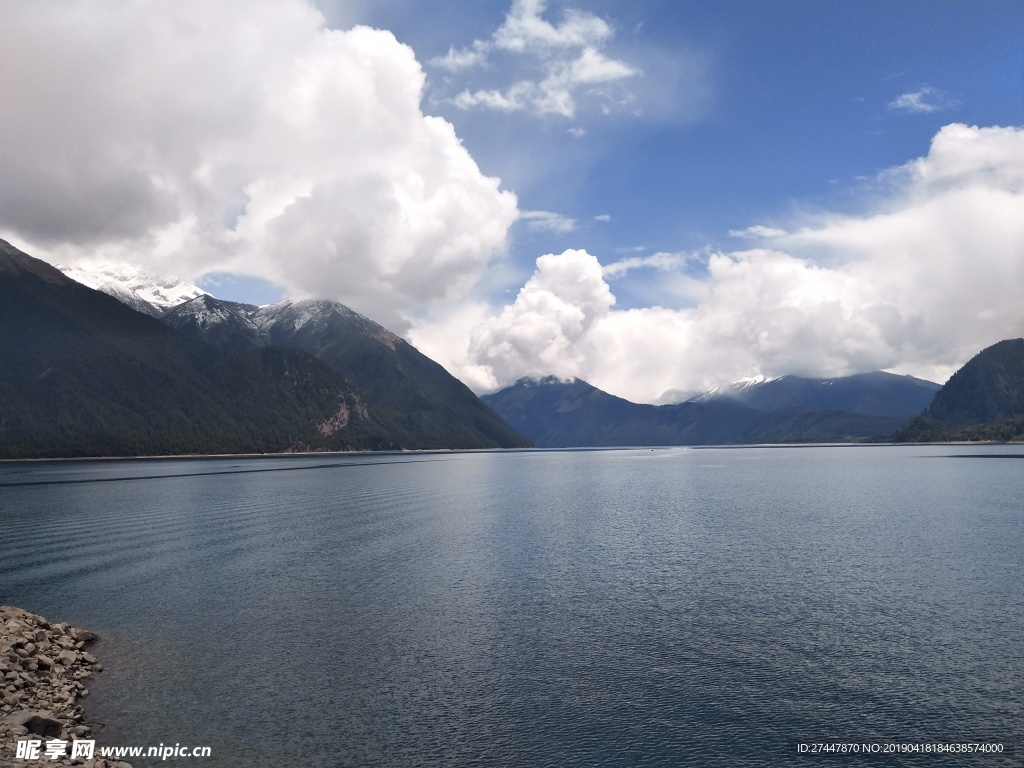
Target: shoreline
282, 455
43, 669
415, 451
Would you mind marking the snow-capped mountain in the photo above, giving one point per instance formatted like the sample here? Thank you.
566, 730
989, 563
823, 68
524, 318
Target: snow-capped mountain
421, 402
224, 323
130, 285
557, 414
286, 323
676, 396
308, 315
542, 381
735, 389
874, 393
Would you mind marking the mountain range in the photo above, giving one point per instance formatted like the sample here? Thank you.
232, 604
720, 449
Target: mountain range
85, 374
876, 393
984, 400
149, 365
566, 413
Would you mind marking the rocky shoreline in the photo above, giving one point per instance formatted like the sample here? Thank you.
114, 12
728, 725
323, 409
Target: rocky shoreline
43, 669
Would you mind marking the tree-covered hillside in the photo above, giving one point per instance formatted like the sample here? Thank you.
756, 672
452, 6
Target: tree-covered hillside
82, 374
984, 400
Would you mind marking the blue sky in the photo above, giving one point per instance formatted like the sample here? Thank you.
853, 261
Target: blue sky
652, 196
795, 110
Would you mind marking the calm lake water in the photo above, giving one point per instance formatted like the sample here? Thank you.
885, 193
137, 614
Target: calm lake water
548, 608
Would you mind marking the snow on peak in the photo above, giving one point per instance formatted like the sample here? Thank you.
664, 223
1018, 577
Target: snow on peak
207, 312
750, 381
297, 314
125, 281
540, 381
734, 389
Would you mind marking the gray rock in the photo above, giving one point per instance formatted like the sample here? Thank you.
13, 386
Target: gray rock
67, 658
40, 723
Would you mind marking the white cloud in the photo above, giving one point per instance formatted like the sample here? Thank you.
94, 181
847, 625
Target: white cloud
922, 101
465, 58
963, 156
242, 136
930, 277
525, 29
546, 329
566, 58
757, 232
519, 96
547, 221
662, 261
604, 218
443, 336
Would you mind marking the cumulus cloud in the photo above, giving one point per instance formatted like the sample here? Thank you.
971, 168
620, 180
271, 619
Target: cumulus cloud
245, 136
546, 329
566, 62
923, 101
918, 285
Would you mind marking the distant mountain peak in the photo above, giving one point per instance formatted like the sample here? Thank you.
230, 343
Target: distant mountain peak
541, 381
733, 389
132, 286
873, 393
297, 314
423, 405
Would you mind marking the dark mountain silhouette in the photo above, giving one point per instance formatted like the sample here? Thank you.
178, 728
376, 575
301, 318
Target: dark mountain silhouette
555, 413
83, 374
869, 394
984, 400
417, 400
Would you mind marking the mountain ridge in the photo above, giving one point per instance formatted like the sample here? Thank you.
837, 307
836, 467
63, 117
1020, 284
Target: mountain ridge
128, 284
874, 393
414, 396
983, 400
87, 375
558, 414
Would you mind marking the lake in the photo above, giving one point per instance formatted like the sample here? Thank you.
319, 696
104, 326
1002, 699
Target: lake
537, 608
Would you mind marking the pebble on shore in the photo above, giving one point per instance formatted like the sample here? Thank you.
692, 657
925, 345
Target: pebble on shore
43, 667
